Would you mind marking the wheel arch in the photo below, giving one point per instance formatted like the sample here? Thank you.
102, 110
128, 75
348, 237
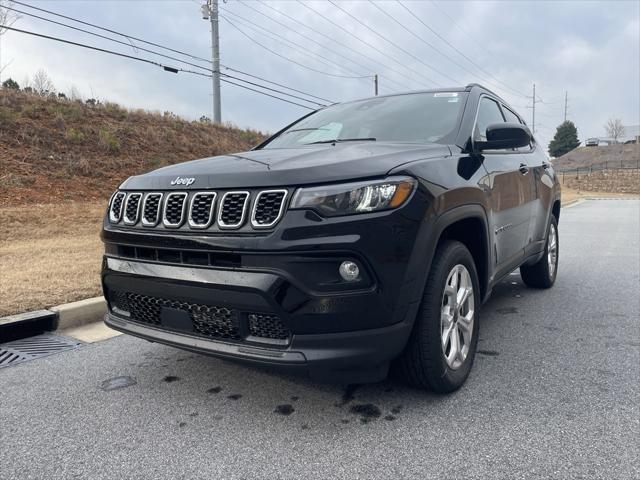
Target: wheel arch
451, 224
477, 243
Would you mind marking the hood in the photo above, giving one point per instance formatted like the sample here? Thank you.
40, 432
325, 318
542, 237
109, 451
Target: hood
284, 167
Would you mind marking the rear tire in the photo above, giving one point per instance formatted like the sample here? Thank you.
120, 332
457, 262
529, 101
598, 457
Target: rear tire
543, 273
440, 352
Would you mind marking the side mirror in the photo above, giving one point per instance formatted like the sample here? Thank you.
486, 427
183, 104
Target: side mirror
502, 136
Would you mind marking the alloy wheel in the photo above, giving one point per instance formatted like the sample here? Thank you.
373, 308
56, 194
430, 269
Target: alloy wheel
457, 316
552, 250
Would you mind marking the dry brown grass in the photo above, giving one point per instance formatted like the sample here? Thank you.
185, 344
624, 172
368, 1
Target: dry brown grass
49, 254
54, 150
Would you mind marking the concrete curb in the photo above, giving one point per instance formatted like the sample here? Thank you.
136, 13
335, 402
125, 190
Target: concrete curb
573, 203
80, 313
27, 324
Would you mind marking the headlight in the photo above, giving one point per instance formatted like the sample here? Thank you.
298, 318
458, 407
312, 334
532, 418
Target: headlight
350, 198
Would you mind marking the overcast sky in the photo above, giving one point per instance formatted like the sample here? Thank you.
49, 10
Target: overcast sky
589, 49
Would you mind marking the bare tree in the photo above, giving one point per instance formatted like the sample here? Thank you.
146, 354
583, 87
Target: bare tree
42, 84
7, 18
614, 129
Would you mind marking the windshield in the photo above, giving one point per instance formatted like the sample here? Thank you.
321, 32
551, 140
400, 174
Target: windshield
414, 118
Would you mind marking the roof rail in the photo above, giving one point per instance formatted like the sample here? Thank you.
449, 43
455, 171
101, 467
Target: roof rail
471, 85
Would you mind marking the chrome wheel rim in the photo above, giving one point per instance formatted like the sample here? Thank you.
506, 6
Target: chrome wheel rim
552, 250
457, 316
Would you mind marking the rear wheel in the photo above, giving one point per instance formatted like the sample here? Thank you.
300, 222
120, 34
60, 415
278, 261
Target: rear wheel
442, 346
542, 274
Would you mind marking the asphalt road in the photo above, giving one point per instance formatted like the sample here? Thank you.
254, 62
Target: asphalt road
554, 393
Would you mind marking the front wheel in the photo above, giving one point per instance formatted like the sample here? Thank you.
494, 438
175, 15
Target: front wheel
542, 274
442, 346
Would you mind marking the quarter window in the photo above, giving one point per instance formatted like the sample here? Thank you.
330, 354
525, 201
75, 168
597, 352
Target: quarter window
488, 113
510, 116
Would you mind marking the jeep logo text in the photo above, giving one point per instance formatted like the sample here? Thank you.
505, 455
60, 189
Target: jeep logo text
183, 181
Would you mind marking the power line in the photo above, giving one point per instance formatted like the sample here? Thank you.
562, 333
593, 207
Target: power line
111, 31
455, 24
268, 95
272, 89
151, 62
131, 57
342, 45
275, 83
108, 38
135, 47
296, 46
366, 43
457, 50
285, 57
332, 2
294, 31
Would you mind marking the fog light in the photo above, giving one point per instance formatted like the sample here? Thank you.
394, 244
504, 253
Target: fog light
349, 271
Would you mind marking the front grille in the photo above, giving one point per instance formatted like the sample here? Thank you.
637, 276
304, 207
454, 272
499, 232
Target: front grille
232, 209
151, 209
208, 321
174, 209
115, 212
268, 208
201, 211
267, 326
206, 210
132, 208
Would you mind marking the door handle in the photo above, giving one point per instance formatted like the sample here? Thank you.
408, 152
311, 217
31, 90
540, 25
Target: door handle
523, 169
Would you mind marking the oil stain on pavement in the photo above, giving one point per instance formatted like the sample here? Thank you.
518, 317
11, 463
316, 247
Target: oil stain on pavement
117, 383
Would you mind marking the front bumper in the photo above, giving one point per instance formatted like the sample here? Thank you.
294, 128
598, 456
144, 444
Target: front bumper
329, 336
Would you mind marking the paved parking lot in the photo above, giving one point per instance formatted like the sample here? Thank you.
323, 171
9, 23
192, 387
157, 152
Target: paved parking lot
554, 393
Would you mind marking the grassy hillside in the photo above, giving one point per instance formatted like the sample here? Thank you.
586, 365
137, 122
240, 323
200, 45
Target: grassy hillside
610, 156
54, 149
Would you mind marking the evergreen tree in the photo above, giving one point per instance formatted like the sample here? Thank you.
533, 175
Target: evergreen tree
565, 139
10, 83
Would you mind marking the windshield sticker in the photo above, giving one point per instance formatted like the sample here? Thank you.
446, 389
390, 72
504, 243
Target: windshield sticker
445, 94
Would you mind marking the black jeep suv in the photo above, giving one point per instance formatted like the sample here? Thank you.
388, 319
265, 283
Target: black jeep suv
364, 233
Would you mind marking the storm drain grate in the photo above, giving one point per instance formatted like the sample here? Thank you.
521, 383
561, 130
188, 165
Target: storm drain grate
18, 351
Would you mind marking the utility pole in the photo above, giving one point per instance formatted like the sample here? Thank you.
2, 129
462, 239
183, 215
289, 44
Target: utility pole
533, 121
565, 105
210, 12
375, 83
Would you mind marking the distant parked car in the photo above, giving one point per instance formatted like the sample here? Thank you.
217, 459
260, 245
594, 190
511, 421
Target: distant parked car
592, 142
628, 142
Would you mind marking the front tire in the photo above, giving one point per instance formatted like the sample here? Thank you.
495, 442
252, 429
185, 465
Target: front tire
442, 346
542, 274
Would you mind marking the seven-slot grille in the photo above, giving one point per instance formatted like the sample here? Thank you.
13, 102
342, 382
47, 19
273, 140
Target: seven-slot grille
199, 210
233, 209
132, 208
268, 208
115, 212
151, 209
174, 208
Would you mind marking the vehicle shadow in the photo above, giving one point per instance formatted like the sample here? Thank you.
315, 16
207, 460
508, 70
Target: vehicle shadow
214, 389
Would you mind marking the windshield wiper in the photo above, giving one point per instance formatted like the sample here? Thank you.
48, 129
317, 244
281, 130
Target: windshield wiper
339, 140
303, 130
